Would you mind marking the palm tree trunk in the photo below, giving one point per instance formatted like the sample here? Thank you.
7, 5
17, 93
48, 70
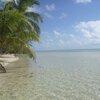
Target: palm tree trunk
2, 69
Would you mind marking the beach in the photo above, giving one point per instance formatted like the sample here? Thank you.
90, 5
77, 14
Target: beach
55, 76
5, 59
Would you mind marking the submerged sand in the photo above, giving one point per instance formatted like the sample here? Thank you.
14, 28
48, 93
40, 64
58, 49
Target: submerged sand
55, 76
15, 84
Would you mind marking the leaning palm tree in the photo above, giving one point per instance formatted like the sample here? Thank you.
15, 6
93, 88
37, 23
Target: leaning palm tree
18, 27
22, 6
32, 17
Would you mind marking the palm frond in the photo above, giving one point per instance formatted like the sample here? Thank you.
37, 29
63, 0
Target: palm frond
19, 46
23, 4
18, 27
34, 16
9, 5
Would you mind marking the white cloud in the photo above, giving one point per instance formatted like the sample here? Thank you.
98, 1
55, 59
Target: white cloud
34, 9
58, 40
71, 35
48, 15
87, 35
90, 30
61, 41
5, 0
63, 16
47, 10
50, 7
83, 1
56, 33
40, 10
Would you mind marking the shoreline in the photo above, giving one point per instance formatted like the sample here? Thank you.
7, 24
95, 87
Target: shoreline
5, 59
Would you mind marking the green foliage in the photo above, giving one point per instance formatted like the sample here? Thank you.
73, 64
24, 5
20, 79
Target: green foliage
18, 27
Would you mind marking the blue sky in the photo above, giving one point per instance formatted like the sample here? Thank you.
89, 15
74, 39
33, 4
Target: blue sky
69, 24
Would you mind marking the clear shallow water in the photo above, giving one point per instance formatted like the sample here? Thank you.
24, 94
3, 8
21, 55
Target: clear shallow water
56, 76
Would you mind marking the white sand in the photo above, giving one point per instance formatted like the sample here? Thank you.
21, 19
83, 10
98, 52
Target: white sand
5, 59
8, 60
7, 56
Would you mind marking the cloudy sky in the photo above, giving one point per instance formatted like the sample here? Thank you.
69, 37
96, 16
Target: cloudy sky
69, 24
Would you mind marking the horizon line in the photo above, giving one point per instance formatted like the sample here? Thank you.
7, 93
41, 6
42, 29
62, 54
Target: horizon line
90, 49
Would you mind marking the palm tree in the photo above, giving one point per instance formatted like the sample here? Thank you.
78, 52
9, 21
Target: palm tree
22, 26
18, 27
22, 6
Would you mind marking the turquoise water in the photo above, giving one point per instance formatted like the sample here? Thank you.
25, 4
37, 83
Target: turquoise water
55, 76
70, 75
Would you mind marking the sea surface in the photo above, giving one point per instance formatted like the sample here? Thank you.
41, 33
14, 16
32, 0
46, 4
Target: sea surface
54, 76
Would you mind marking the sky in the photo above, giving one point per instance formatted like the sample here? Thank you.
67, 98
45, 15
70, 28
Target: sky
69, 24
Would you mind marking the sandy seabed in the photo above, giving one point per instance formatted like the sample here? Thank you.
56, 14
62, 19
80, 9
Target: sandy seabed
14, 83
55, 76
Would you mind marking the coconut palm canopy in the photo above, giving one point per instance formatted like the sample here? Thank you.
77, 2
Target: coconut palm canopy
18, 27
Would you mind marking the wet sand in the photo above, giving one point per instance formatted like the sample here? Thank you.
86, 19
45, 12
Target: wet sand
17, 84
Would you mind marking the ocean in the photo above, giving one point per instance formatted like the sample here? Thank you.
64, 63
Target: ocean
63, 75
